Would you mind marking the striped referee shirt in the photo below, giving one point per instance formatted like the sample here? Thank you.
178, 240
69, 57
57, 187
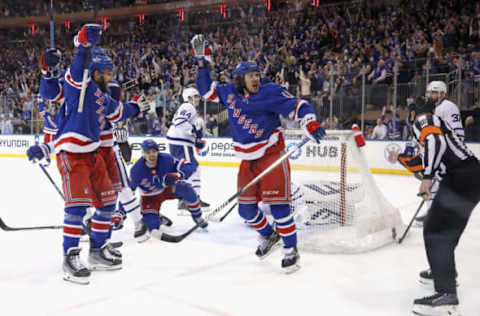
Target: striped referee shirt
441, 148
120, 134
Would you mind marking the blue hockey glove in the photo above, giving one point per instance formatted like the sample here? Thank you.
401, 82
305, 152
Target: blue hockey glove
89, 35
171, 179
118, 218
199, 143
409, 149
38, 152
50, 63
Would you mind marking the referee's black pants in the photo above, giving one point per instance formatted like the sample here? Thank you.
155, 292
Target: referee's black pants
457, 196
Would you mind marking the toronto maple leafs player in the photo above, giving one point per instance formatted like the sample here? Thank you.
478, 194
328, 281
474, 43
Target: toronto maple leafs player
254, 111
185, 134
160, 177
86, 181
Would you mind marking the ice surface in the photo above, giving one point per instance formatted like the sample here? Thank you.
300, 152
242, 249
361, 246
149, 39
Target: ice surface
214, 273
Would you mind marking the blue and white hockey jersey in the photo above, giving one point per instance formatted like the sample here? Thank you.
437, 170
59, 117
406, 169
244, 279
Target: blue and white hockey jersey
81, 132
181, 132
150, 181
254, 119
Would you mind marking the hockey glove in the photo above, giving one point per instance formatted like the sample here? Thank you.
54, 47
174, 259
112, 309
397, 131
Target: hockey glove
38, 152
89, 35
50, 63
201, 49
200, 144
141, 102
312, 128
118, 218
171, 179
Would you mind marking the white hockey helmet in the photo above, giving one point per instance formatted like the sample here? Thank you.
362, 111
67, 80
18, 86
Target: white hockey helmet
437, 86
189, 92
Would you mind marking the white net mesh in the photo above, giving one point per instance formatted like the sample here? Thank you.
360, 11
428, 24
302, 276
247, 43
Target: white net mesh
337, 205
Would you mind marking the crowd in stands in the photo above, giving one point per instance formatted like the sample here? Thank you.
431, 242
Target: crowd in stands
316, 53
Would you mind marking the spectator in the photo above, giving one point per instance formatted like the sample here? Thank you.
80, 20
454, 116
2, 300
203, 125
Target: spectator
392, 120
379, 131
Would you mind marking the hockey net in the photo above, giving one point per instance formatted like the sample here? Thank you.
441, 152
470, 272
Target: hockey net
337, 205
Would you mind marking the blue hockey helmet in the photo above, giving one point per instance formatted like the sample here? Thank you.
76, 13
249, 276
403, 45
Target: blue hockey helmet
149, 144
245, 67
100, 61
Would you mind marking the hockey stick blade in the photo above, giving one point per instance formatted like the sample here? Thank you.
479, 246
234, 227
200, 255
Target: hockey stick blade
7, 228
178, 238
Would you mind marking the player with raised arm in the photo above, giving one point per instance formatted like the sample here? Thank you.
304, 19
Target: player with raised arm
160, 177
52, 88
185, 134
84, 174
254, 112
443, 152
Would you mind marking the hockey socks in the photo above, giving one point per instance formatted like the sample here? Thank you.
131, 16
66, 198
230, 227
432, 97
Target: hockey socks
255, 218
285, 224
72, 227
101, 222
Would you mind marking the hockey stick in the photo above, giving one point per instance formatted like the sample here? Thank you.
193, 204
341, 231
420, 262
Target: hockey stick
421, 194
84, 80
7, 228
228, 212
51, 180
171, 238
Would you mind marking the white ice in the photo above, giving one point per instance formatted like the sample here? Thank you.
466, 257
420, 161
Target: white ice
214, 273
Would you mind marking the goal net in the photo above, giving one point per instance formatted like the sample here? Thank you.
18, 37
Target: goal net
337, 205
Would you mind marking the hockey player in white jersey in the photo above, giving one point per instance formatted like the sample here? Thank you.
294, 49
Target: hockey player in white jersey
185, 134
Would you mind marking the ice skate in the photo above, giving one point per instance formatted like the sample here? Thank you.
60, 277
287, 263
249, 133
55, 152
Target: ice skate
74, 269
103, 259
425, 278
438, 304
115, 253
200, 221
290, 260
267, 245
141, 233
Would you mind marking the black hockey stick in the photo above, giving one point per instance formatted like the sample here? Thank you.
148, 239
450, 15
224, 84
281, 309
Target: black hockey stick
51, 180
414, 216
171, 238
228, 212
7, 228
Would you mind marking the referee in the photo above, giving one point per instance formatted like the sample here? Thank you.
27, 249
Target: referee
120, 133
457, 196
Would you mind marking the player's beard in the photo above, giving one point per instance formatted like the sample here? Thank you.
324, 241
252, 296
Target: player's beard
101, 84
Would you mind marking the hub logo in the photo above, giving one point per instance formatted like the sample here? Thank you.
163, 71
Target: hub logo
204, 151
296, 154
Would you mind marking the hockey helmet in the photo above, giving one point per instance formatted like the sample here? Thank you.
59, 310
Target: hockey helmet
421, 106
437, 86
149, 144
100, 61
245, 67
189, 93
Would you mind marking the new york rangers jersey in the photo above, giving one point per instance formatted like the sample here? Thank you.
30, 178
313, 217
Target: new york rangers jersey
450, 113
254, 119
181, 132
82, 132
150, 180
